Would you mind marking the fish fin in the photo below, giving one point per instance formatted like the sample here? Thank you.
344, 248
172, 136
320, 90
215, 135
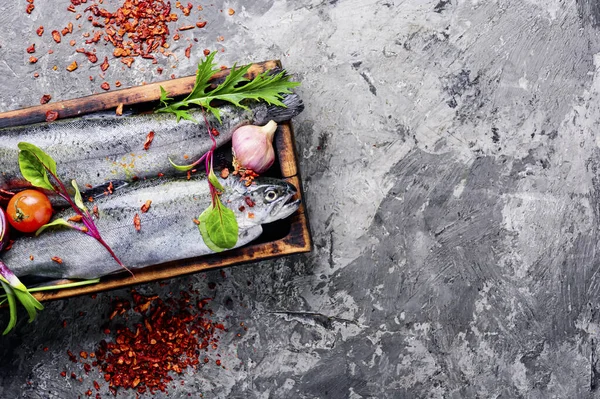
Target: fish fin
279, 114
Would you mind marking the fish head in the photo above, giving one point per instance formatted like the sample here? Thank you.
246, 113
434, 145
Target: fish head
266, 200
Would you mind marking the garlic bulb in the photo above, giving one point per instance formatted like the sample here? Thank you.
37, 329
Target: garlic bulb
253, 147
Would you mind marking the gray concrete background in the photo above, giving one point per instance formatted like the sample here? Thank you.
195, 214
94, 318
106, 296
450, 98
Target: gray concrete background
450, 155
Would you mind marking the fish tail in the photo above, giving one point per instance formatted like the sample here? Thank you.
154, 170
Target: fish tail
294, 106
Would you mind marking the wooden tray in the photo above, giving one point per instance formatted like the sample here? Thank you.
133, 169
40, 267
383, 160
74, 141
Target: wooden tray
297, 239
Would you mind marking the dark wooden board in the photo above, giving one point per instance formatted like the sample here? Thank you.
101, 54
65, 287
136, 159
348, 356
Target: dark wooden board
297, 238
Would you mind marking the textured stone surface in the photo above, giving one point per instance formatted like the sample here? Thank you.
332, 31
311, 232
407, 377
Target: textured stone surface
449, 151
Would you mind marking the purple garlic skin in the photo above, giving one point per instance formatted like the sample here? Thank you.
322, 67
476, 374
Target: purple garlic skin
253, 147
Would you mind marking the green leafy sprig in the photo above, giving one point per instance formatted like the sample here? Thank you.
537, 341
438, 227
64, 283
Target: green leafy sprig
37, 167
235, 89
218, 226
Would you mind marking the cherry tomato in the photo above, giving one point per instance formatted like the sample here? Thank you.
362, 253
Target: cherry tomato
29, 210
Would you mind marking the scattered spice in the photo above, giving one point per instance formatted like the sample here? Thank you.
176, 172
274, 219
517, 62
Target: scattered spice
40, 31
146, 206
119, 110
249, 202
188, 51
95, 211
31, 49
231, 11
201, 24
136, 222
104, 66
45, 99
36, 75
105, 86
75, 218
51, 116
72, 66
56, 36
186, 27
148, 141
33, 60
57, 259
118, 83
30, 8
31, 257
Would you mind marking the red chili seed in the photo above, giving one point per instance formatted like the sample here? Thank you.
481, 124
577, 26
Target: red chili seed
30, 8
33, 60
31, 49
206, 52
63, 373
40, 31
51, 116
45, 99
105, 86
188, 50
201, 24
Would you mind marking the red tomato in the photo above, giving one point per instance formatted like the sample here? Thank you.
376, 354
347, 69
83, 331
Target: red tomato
29, 210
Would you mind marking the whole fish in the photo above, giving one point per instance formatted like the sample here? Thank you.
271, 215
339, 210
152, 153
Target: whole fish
167, 232
98, 149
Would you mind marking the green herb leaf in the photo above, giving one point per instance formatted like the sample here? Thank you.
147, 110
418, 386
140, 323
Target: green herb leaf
221, 226
44, 158
183, 168
164, 98
12, 306
212, 178
54, 223
33, 170
204, 232
78, 199
235, 89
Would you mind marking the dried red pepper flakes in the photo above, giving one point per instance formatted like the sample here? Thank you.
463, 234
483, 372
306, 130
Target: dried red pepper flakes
186, 27
148, 141
56, 36
40, 31
188, 50
105, 86
231, 11
71, 8
75, 218
30, 8
206, 52
201, 24
51, 116
57, 259
136, 222
33, 60
104, 66
45, 99
146, 206
72, 66
31, 49
118, 83
127, 61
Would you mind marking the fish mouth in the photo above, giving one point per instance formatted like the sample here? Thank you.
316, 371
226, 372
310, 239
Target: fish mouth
284, 208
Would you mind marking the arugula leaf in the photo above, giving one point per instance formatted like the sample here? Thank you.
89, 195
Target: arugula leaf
235, 89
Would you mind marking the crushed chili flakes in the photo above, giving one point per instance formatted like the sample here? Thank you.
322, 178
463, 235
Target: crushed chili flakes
168, 337
201, 24
51, 116
33, 60
30, 8
105, 86
57, 259
45, 99
31, 49
72, 66
56, 36
136, 222
188, 51
104, 66
148, 141
146, 206
40, 31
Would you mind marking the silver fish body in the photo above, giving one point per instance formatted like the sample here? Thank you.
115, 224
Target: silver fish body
168, 231
97, 149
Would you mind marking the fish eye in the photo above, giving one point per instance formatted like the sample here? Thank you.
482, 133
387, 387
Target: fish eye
270, 195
